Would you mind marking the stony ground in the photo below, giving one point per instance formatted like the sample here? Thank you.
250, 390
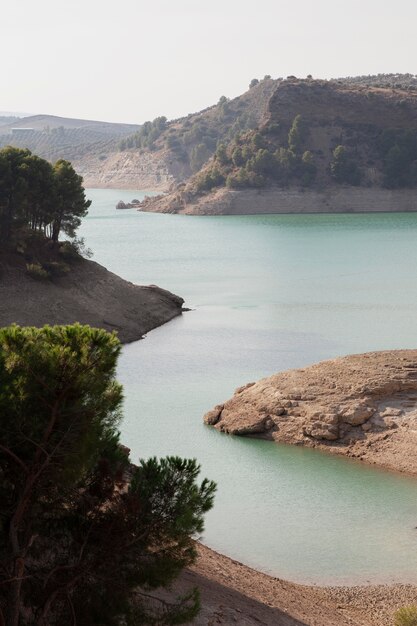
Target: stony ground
232, 593
363, 406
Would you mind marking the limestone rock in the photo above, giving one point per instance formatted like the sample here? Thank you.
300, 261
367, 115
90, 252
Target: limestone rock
345, 405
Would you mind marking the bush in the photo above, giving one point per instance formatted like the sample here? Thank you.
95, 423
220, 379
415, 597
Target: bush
406, 616
75, 250
55, 269
343, 168
36, 271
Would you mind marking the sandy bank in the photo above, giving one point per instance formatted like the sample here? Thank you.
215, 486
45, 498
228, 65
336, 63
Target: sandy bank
89, 294
275, 201
363, 406
233, 593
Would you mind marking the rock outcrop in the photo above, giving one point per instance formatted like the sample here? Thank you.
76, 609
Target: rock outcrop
364, 406
88, 294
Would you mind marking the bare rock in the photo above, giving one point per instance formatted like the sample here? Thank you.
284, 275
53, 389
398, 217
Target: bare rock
212, 417
352, 401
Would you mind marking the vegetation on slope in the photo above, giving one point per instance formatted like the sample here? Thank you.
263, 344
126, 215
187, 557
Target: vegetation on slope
192, 140
345, 135
39, 202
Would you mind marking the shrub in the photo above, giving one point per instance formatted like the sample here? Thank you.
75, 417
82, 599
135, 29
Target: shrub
343, 168
55, 268
36, 271
406, 616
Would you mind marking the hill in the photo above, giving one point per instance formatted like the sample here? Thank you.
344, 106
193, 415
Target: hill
162, 153
56, 138
318, 142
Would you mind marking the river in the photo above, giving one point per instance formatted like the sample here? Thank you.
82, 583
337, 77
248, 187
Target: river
269, 293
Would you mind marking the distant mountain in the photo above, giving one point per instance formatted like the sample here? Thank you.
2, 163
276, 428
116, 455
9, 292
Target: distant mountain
54, 137
8, 119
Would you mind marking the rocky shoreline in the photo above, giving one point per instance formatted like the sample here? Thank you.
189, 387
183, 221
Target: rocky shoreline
88, 294
232, 593
361, 406
337, 199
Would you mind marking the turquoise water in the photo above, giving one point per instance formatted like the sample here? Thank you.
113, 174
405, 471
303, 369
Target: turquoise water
269, 293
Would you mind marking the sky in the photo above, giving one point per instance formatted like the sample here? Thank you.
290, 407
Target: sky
133, 60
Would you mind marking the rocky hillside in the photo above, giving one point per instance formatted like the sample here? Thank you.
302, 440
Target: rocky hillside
87, 293
163, 153
315, 135
363, 406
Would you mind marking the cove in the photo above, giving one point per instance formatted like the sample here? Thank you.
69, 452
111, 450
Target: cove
269, 293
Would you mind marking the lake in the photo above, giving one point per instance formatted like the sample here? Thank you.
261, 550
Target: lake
268, 293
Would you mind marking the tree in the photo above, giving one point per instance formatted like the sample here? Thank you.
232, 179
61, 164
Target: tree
71, 204
308, 169
253, 83
38, 196
297, 135
343, 168
199, 155
221, 154
80, 527
13, 188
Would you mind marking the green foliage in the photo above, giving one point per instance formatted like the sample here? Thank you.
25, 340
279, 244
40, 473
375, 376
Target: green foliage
297, 135
209, 179
343, 168
70, 203
73, 543
33, 193
406, 616
308, 169
56, 268
199, 155
36, 271
398, 149
251, 160
75, 249
253, 83
146, 136
221, 154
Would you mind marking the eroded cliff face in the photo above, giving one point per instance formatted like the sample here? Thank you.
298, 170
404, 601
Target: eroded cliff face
131, 170
321, 102
364, 406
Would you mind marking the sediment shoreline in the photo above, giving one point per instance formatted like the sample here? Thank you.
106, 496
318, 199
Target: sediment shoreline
336, 199
233, 593
88, 294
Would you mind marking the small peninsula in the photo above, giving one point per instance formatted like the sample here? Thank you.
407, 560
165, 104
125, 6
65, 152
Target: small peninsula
362, 406
88, 294
47, 280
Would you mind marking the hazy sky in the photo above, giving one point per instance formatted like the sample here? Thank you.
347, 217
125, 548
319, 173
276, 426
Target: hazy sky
131, 60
